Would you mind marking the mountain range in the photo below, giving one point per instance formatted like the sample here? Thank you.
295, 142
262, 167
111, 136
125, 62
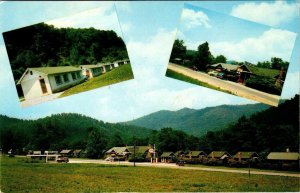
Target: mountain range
197, 122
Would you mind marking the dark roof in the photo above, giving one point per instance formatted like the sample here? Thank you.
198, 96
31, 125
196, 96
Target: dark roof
263, 71
217, 154
167, 154
196, 153
138, 149
283, 156
118, 150
245, 155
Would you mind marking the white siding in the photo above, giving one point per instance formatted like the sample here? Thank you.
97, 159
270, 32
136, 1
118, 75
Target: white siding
57, 87
31, 85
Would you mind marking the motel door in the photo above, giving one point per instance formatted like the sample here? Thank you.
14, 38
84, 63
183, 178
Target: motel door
43, 86
88, 73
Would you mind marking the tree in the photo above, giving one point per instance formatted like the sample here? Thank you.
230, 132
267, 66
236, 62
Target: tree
96, 144
264, 64
220, 59
178, 50
203, 57
278, 63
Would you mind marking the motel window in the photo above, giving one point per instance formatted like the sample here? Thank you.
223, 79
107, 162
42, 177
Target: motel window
78, 75
58, 80
74, 76
66, 78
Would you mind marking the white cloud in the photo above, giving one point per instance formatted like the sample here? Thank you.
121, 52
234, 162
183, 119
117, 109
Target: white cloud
192, 18
152, 54
269, 13
104, 18
274, 42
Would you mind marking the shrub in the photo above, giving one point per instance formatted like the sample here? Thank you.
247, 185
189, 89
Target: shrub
265, 84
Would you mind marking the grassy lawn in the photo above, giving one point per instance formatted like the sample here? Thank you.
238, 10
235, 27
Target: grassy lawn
119, 74
242, 168
179, 76
18, 176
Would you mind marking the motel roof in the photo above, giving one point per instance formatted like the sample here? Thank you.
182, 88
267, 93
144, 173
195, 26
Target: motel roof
66, 151
292, 156
91, 66
51, 70
217, 154
226, 66
56, 70
245, 155
197, 153
167, 154
263, 71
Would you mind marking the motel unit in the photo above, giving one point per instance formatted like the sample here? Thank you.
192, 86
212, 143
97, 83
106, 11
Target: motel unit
36, 82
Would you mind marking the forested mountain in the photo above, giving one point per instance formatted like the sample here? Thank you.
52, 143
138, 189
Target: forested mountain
63, 131
197, 122
274, 129
43, 45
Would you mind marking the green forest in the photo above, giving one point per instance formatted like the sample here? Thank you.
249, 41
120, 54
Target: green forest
43, 45
273, 129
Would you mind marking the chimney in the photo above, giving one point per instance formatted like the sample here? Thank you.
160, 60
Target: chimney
212, 155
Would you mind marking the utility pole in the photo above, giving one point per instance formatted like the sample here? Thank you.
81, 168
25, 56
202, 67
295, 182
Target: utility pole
134, 153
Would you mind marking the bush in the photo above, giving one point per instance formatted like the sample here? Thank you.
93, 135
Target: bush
138, 158
264, 84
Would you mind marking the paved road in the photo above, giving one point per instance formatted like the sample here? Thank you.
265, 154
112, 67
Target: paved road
235, 88
172, 165
41, 99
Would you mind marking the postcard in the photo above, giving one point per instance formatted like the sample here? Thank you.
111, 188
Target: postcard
231, 55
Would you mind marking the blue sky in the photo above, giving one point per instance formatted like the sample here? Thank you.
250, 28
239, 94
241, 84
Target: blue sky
149, 31
237, 39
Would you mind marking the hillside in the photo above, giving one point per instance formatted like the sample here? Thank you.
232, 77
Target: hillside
274, 129
67, 130
197, 122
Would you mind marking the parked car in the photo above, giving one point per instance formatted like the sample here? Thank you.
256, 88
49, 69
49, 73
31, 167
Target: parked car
110, 159
61, 159
180, 163
221, 75
212, 73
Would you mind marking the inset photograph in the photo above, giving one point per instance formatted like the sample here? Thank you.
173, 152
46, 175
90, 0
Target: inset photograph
231, 55
67, 56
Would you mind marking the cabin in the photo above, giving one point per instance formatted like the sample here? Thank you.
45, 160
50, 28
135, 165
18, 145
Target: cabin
243, 159
195, 155
167, 157
143, 151
122, 153
284, 160
245, 156
37, 82
77, 153
218, 157
121, 62
66, 152
240, 73
180, 154
91, 71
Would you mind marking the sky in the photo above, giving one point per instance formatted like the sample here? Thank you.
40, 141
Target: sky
237, 39
149, 30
